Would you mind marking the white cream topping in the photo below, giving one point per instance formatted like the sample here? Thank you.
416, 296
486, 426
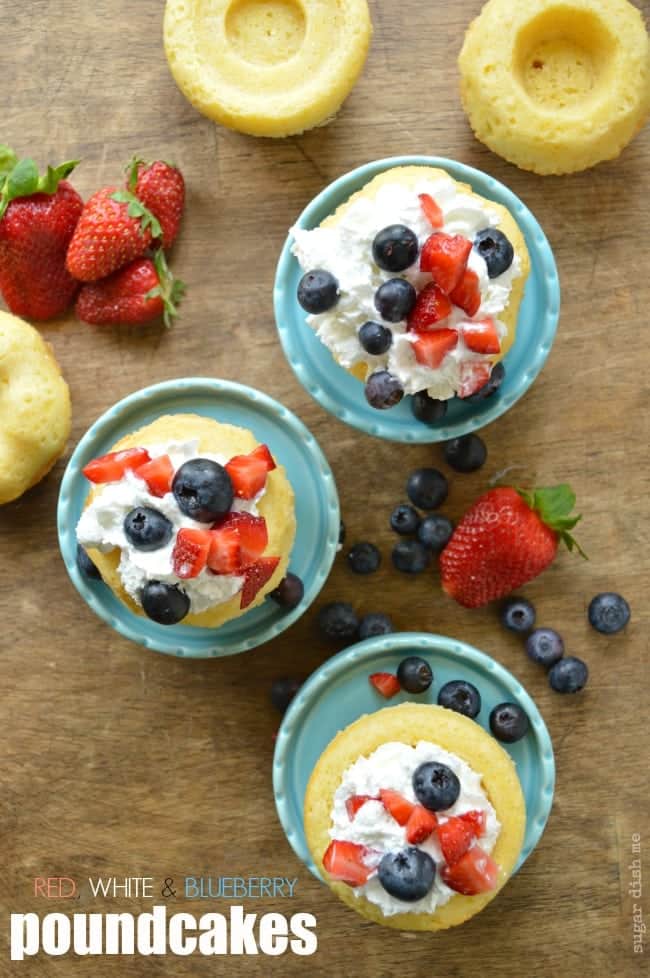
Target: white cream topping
392, 766
102, 526
345, 250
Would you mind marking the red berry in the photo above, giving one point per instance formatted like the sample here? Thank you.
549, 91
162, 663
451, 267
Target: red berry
482, 336
477, 820
224, 556
421, 824
263, 452
158, 474
385, 683
115, 465
455, 837
431, 210
431, 306
431, 348
355, 802
141, 291
445, 256
473, 376
161, 188
346, 862
255, 577
190, 553
248, 472
396, 805
474, 873
467, 294
253, 534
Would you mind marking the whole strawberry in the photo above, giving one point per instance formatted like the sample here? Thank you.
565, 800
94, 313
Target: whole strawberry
38, 215
114, 228
138, 293
505, 539
161, 188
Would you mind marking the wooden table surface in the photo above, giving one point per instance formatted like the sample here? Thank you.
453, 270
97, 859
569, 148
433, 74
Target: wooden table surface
119, 761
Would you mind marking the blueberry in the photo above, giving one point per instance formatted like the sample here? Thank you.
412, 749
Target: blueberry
383, 390
395, 248
435, 532
410, 557
462, 697
338, 621
407, 875
283, 691
375, 338
203, 490
289, 592
404, 519
508, 722
164, 603
490, 387
147, 529
86, 565
569, 675
318, 291
496, 250
414, 674
545, 647
342, 532
395, 299
518, 615
465, 454
435, 786
427, 488
364, 558
375, 624
427, 409
608, 612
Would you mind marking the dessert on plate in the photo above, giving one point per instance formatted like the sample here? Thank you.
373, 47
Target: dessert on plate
415, 817
189, 520
414, 285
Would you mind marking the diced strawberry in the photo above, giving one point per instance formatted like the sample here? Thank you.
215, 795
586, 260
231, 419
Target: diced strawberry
224, 556
455, 837
431, 306
355, 802
248, 475
467, 294
473, 375
477, 820
396, 805
190, 553
482, 336
420, 825
255, 577
445, 256
262, 452
115, 465
431, 210
475, 873
253, 535
431, 348
158, 474
344, 861
385, 683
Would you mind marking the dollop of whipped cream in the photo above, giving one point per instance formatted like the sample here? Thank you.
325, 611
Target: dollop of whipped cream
102, 526
345, 250
392, 766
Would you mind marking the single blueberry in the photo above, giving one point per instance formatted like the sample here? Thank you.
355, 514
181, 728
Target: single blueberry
375, 338
164, 603
509, 722
283, 691
496, 250
435, 532
435, 786
338, 621
383, 390
465, 454
410, 557
569, 675
545, 647
404, 520
375, 623
147, 529
462, 697
87, 567
427, 409
318, 291
395, 248
608, 612
203, 490
427, 488
414, 674
289, 592
395, 299
364, 558
518, 615
407, 875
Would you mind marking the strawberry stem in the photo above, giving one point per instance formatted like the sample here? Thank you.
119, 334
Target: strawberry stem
171, 290
139, 212
20, 178
554, 505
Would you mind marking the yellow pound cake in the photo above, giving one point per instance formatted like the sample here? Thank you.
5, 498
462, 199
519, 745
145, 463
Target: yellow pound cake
220, 565
34, 408
415, 817
267, 67
556, 87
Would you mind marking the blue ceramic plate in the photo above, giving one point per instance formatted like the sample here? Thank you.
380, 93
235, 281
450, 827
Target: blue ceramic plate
338, 693
341, 394
317, 509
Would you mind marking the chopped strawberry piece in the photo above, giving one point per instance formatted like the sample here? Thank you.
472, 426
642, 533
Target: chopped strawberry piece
421, 825
430, 349
445, 256
385, 683
190, 553
477, 820
355, 802
467, 294
255, 577
248, 475
115, 465
262, 452
455, 837
475, 873
345, 861
253, 535
224, 556
397, 805
431, 210
431, 306
158, 474
472, 377
482, 336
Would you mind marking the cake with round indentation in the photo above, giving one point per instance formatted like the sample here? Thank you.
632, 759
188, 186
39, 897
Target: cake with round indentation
556, 87
189, 520
415, 817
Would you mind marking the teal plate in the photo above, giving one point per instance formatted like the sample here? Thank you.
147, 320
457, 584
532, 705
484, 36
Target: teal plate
338, 693
317, 509
343, 396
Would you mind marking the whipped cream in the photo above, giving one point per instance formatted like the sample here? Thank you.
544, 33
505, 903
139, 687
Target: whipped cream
392, 766
102, 526
345, 250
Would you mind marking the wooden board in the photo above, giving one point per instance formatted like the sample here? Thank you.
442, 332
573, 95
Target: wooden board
118, 761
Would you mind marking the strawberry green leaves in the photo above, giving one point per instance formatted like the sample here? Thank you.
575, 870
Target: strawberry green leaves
138, 211
554, 505
20, 178
171, 290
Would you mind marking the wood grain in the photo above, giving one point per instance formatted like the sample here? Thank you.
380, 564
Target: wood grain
120, 761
